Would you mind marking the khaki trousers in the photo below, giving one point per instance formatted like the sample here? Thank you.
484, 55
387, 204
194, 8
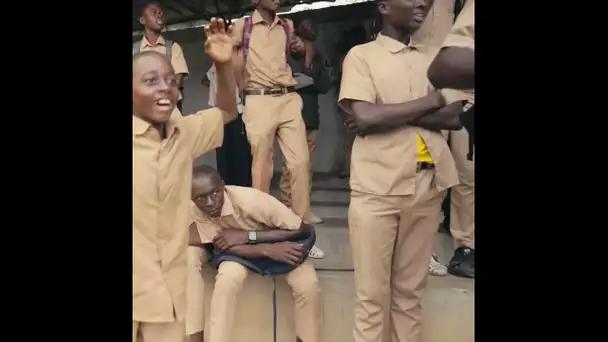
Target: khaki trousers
311, 140
462, 209
392, 240
158, 332
195, 291
265, 118
306, 293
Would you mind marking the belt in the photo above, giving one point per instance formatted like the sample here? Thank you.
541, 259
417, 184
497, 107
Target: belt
269, 91
424, 166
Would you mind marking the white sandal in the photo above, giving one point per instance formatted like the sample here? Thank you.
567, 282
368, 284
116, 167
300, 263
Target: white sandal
316, 253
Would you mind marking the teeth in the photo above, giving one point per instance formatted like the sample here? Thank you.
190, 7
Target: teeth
163, 102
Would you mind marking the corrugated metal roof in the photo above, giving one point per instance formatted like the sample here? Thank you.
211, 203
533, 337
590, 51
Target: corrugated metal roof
182, 11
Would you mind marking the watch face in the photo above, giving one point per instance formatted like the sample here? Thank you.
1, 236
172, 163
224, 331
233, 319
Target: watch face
252, 236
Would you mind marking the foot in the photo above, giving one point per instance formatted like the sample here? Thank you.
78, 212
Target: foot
463, 263
314, 219
316, 253
437, 269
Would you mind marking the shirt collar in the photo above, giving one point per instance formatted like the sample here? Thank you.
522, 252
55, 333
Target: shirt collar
227, 208
256, 18
395, 46
145, 42
140, 126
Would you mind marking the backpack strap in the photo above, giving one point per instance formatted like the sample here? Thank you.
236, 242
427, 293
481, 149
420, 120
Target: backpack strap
287, 29
136, 47
169, 47
247, 28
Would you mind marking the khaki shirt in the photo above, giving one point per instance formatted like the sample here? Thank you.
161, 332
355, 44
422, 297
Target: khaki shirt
247, 209
177, 54
463, 31
463, 35
266, 63
162, 177
385, 71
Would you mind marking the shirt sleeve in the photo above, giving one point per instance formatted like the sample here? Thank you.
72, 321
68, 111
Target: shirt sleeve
207, 230
356, 83
237, 32
205, 130
270, 212
177, 60
463, 31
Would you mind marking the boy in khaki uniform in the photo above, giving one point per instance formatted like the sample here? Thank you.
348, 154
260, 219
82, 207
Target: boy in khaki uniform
227, 216
454, 67
272, 107
401, 170
153, 20
164, 148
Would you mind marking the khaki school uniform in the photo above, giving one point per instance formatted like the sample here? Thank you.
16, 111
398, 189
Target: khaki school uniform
395, 207
177, 55
462, 210
162, 174
250, 209
270, 116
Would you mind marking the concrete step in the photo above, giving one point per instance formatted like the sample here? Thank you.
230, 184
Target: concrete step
331, 197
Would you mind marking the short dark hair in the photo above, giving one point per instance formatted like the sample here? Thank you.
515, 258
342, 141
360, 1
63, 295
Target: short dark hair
141, 5
208, 171
297, 21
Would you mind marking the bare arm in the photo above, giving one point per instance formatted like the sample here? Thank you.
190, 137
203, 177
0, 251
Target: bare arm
219, 46
226, 85
229, 237
454, 67
447, 118
377, 118
279, 235
249, 251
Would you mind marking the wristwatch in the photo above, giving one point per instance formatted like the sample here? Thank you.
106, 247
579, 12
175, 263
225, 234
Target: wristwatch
253, 237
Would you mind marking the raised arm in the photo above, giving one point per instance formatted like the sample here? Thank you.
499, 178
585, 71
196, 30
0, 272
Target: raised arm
219, 47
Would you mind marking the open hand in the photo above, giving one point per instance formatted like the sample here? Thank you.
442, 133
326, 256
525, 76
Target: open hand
219, 44
287, 252
228, 238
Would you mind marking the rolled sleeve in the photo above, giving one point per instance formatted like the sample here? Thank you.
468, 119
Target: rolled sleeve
356, 83
205, 130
